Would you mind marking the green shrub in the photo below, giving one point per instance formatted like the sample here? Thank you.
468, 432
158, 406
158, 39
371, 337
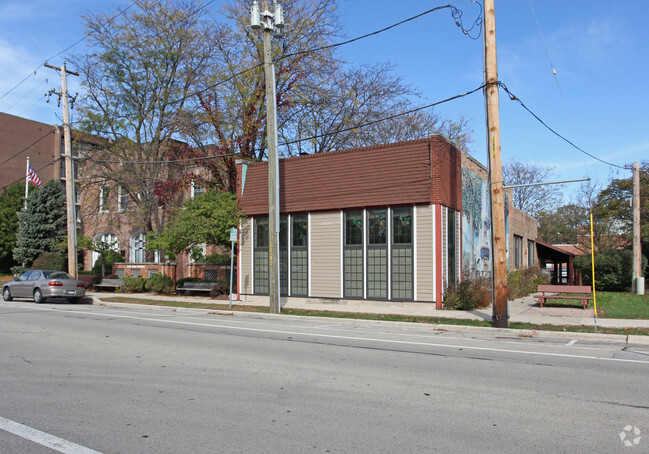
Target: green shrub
468, 295
134, 284
613, 270
50, 261
220, 288
159, 283
18, 270
525, 281
181, 282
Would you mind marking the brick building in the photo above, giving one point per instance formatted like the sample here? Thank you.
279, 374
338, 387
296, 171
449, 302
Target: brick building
382, 223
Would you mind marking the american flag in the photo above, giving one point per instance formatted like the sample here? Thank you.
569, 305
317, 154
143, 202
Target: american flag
33, 177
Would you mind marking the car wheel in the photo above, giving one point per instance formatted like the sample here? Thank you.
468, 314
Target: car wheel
6, 294
38, 296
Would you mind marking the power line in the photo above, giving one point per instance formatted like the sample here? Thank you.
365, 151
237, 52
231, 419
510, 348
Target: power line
134, 2
27, 147
317, 136
515, 98
349, 41
54, 161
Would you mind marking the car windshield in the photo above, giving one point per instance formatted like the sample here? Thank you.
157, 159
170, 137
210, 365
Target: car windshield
56, 275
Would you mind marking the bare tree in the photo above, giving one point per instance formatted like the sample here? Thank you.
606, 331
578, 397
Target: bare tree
531, 199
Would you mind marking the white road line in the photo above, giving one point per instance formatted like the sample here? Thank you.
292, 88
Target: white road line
353, 338
42, 438
571, 343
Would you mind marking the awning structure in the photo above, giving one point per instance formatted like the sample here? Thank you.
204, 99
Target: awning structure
562, 261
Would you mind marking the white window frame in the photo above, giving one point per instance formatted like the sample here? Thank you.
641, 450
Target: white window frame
104, 192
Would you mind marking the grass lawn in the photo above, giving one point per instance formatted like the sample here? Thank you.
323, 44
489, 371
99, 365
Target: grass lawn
622, 305
612, 305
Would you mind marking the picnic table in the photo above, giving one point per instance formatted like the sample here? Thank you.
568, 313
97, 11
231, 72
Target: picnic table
565, 292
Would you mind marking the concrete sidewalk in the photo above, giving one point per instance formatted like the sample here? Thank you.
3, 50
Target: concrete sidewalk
524, 310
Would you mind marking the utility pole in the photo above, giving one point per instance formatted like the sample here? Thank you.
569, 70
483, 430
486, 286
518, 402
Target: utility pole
271, 22
499, 240
69, 174
638, 279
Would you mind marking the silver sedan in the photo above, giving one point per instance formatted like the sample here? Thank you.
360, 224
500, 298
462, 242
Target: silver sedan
43, 284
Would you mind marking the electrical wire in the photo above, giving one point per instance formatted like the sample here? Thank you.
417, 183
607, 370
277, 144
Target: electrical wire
27, 147
134, 2
515, 98
349, 41
54, 161
351, 128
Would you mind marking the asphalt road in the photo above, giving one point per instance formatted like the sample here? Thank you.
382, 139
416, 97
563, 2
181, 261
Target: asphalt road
83, 379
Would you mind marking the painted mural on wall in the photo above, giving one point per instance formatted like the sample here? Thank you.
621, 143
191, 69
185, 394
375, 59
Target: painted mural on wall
476, 225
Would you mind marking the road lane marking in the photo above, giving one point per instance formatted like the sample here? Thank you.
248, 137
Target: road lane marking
42, 438
571, 343
353, 338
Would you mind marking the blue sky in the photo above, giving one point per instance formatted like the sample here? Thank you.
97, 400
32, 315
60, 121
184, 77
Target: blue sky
599, 98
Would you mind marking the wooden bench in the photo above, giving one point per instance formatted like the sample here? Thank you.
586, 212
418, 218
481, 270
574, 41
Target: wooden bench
572, 290
109, 283
196, 287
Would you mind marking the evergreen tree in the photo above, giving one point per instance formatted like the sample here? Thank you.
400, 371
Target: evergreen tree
11, 202
42, 226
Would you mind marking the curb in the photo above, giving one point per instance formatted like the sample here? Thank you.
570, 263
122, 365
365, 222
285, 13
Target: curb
523, 333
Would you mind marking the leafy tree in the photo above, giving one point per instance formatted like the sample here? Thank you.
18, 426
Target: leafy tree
531, 199
203, 219
564, 225
613, 208
165, 70
43, 225
138, 78
322, 101
107, 255
11, 202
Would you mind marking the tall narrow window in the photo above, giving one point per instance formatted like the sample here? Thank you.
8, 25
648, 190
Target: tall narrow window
451, 245
530, 253
353, 255
518, 251
261, 270
299, 255
377, 254
103, 198
283, 255
122, 199
402, 254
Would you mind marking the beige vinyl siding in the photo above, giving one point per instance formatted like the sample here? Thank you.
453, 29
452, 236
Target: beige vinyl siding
424, 265
324, 273
245, 261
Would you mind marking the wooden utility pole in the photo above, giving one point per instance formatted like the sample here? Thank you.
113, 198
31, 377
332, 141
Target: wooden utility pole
499, 240
69, 174
638, 283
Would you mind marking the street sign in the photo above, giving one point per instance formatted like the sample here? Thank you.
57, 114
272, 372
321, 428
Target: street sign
233, 234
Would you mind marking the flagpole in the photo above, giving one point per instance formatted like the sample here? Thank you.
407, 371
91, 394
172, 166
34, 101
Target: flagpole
26, 182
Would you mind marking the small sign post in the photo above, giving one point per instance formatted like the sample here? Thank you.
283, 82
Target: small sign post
233, 238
